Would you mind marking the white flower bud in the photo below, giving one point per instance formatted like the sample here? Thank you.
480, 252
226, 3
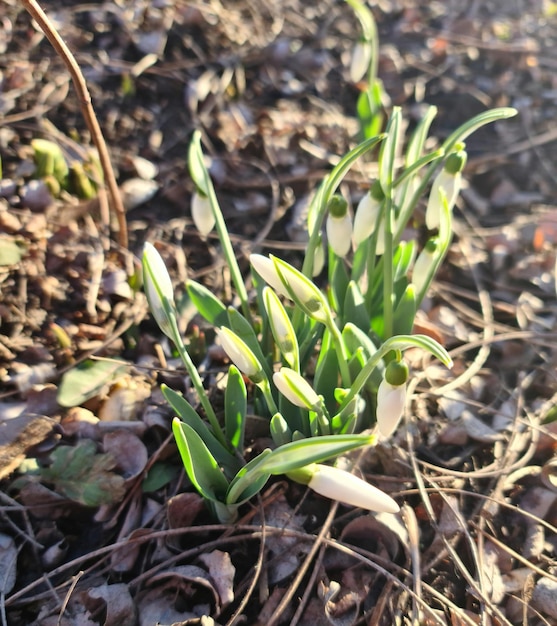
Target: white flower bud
239, 353
296, 389
339, 231
391, 400
339, 226
303, 291
422, 266
337, 484
202, 213
157, 287
265, 267
445, 187
281, 327
361, 58
391, 397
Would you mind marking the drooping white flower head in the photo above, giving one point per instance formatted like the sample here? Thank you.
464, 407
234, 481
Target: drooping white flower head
367, 216
158, 287
361, 58
239, 353
296, 388
337, 484
445, 188
423, 264
202, 213
391, 397
339, 226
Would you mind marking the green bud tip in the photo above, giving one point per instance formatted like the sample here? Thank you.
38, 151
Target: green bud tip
432, 245
455, 162
397, 373
376, 191
337, 206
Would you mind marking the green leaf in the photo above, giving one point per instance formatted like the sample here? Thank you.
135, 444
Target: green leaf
248, 481
327, 372
405, 312
388, 152
82, 475
314, 450
86, 380
158, 476
339, 284
235, 408
200, 465
355, 310
208, 305
403, 259
241, 327
189, 415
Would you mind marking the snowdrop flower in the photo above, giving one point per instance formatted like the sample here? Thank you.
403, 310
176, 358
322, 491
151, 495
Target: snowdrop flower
304, 292
339, 226
291, 283
337, 484
265, 267
391, 397
281, 327
202, 213
240, 354
318, 258
361, 58
367, 216
158, 288
424, 263
445, 188
296, 389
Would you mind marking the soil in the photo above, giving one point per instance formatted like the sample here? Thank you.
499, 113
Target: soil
98, 523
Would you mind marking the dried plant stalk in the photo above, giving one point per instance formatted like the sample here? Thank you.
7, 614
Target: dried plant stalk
37, 13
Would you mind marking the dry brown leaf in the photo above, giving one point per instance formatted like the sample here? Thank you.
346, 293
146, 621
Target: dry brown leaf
222, 572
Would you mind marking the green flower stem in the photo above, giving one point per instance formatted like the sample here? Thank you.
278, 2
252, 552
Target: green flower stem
388, 271
266, 391
193, 374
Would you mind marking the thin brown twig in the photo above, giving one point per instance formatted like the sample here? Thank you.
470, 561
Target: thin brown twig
84, 97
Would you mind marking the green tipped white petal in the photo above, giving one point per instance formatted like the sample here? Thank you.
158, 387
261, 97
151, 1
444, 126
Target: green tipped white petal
339, 233
202, 213
265, 267
337, 484
239, 352
157, 287
445, 187
305, 293
282, 328
296, 388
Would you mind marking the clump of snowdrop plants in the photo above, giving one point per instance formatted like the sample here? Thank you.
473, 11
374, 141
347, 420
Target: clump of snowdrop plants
324, 365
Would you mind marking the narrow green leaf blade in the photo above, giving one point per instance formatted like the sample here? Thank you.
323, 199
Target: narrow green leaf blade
235, 408
200, 465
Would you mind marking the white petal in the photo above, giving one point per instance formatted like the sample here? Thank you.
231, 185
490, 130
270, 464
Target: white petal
365, 220
295, 388
339, 232
238, 352
337, 484
202, 214
391, 400
265, 267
